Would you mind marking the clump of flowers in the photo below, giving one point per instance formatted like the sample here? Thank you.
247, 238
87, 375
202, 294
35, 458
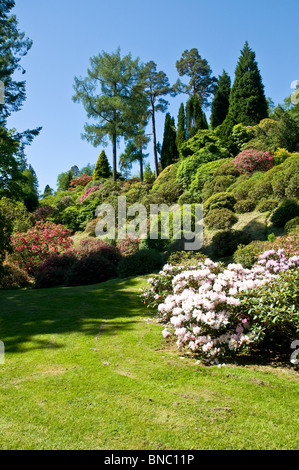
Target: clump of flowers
80, 181
252, 160
129, 245
200, 305
88, 190
32, 248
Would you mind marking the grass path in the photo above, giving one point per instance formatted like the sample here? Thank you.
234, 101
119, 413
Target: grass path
85, 369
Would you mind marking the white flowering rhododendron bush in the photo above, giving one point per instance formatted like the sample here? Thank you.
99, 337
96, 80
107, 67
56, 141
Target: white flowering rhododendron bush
199, 304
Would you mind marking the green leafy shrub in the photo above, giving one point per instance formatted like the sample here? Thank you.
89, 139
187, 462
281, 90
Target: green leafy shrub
274, 308
219, 201
186, 198
243, 206
286, 211
141, 262
280, 155
13, 277
225, 242
205, 173
247, 255
243, 186
291, 225
220, 219
266, 205
292, 189
217, 185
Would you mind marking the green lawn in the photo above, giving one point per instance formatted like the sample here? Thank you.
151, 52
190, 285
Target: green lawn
86, 368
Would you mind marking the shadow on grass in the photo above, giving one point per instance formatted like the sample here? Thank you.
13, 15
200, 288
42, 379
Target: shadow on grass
95, 309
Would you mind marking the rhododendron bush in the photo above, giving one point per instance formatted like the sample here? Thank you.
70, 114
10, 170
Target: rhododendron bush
200, 304
30, 249
252, 160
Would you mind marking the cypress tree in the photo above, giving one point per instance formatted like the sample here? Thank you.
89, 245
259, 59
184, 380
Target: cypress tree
220, 102
247, 103
195, 117
102, 168
169, 151
181, 131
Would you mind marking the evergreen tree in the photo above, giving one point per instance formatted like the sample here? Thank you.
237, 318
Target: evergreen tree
220, 102
108, 98
47, 192
247, 103
156, 85
181, 130
102, 168
201, 83
169, 151
30, 189
195, 117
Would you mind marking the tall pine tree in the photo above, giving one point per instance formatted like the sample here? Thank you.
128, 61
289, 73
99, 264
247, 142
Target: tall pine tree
220, 102
247, 103
169, 151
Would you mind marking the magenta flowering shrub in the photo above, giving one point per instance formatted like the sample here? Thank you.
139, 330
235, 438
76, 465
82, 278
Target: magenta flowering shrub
128, 246
88, 190
200, 305
252, 160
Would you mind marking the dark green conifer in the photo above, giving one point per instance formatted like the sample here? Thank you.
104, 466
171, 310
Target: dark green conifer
220, 102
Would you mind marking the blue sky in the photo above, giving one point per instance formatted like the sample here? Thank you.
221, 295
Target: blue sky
66, 33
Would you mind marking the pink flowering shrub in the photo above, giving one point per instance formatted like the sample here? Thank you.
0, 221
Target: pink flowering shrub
252, 160
200, 305
88, 190
128, 246
32, 248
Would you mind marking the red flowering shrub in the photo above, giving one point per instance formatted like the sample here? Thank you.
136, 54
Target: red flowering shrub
128, 246
88, 191
32, 248
252, 160
80, 181
92, 262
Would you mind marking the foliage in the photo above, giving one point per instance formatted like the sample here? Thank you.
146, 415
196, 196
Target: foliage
247, 255
17, 214
225, 242
91, 262
248, 104
195, 117
30, 249
44, 213
266, 205
220, 219
220, 102
280, 155
205, 173
181, 135
291, 224
128, 246
6, 228
218, 184
286, 211
102, 168
169, 151
142, 262
201, 83
219, 201
241, 135
274, 309
167, 185
244, 205
13, 277
80, 181
251, 160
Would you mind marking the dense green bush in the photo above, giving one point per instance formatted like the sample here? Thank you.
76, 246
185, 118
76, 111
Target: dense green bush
205, 173
13, 277
219, 201
220, 219
291, 224
266, 205
217, 185
247, 255
243, 206
225, 242
274, 308
286, 211
142, 262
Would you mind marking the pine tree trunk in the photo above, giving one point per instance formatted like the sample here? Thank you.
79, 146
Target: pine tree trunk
155, 143
141, 164
114, 156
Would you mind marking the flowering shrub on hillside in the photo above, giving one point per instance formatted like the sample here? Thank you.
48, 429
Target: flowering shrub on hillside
128, 246
88, 191
30, 249
252, 160
80, 181
200, 305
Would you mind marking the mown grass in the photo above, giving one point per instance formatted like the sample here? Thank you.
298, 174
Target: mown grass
87, 368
